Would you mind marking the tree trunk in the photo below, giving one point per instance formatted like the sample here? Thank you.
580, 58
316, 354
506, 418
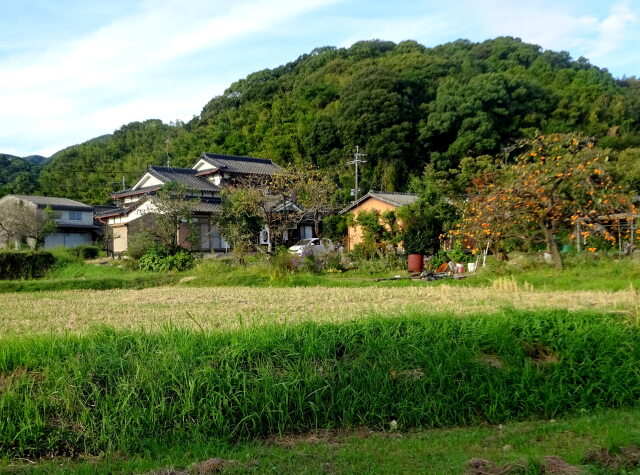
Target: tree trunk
316, 225
552, 247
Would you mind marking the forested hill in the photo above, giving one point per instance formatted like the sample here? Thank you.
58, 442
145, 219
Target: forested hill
404, 104
17, 175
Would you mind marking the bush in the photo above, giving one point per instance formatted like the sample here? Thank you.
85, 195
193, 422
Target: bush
312, 264
388, 262
335, 261
86, 251
25, 265
139, 244
284, 263
158, 259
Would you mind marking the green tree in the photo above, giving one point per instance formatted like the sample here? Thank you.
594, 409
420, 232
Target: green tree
238, 221
173, 206
556, 181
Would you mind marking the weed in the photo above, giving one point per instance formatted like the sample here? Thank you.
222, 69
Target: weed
127, 390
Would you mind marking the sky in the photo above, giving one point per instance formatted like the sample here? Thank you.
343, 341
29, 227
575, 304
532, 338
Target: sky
71, 70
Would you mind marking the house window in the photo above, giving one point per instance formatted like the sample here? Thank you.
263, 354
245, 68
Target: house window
75, 216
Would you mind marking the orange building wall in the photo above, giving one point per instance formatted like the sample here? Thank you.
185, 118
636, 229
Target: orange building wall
354, 232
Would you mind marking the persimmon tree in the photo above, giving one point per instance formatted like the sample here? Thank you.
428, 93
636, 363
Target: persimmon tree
555, 181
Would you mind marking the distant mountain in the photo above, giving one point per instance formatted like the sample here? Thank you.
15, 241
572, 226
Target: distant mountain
36, 159
17, 175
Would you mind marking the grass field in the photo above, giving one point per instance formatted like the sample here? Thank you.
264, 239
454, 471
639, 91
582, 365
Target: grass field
278, 373
234, 307
602, 442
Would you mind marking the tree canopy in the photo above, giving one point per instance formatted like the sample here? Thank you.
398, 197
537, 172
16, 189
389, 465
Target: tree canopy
404, 104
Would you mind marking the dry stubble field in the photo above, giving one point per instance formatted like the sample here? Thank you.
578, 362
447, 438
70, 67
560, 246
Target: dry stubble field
229, 307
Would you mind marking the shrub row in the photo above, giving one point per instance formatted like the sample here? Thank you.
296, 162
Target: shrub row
129, 390
158, 259
25, 265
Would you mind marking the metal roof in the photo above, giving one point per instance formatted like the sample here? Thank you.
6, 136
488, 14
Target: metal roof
392, 198
243, 165
53, 202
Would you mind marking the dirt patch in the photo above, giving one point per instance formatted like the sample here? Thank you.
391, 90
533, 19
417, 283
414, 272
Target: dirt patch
169, 471
416, 373
624, 458
208, 467
550, 465
214, 465
330, 437
540, 354
478, 466
491, 360
557, 466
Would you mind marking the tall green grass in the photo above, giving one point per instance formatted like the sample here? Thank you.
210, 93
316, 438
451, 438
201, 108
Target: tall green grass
131, 390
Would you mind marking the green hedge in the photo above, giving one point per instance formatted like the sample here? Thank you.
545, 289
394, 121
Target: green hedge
127, 391
25, 265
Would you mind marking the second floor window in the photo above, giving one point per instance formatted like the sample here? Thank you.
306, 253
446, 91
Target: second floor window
75, 216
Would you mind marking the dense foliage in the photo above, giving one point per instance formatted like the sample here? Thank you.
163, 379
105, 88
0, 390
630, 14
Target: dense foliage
17, 176
555, 183
159, 259
127, 391
405, 104
25, 265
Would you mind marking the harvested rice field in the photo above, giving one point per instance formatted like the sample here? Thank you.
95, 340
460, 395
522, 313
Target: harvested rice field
232, 307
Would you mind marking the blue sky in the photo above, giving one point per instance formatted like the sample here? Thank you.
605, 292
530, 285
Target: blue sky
71, 70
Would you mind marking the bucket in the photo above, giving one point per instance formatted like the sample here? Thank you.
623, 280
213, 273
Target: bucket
471, 266
415, 263
460, 268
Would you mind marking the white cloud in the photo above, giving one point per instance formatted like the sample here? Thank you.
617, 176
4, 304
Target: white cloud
50, 94
554, 25
614, 30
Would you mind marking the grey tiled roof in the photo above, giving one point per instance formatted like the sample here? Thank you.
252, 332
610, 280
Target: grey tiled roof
185, 176
395, 199
243, 165
108, 212
54, 203
138, 191
207, 207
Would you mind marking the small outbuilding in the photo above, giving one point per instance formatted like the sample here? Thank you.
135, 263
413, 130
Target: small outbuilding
380, 201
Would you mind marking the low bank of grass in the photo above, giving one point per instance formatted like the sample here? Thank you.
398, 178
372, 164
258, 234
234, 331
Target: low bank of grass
130, 391
601, 442
82, 276
258, 273
582, 272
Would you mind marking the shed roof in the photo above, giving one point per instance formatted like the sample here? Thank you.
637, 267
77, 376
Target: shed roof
392, 198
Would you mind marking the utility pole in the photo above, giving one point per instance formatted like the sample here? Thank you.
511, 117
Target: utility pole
124, 186
357, 161
166, 143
